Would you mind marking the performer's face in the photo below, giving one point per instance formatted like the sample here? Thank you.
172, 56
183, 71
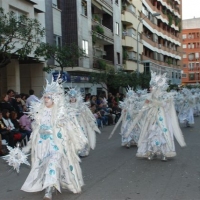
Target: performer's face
73, 100
48, 101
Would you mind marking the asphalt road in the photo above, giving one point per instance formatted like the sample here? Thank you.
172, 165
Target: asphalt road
112, 172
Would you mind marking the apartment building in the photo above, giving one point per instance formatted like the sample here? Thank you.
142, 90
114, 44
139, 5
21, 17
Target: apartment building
21, 75
94, 25
162, 51
131, 33
191, 51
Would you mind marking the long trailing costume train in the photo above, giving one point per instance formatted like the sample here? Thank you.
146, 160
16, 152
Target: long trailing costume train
55, 143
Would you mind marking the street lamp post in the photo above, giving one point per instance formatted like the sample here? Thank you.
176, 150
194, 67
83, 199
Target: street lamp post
141, 20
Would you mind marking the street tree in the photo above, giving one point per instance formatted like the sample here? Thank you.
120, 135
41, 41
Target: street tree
18, 36
120, 78
64, 56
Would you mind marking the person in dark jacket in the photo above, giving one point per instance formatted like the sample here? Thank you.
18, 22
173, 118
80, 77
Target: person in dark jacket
6, 133
5, 104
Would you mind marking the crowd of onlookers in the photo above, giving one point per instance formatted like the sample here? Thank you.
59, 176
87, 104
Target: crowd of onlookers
105, 110
15, 124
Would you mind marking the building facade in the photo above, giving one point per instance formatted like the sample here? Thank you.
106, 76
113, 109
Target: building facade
23, 75
162, 50
131, 33
191, 51
95, 26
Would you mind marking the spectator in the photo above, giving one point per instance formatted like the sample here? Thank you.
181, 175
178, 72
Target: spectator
10, 126
5, 104
5, 132
18, 127
18, 105
11, 96
93, 99
31, 98
110, 96
25, 123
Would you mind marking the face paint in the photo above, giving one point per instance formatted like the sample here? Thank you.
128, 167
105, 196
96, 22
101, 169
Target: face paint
48, 101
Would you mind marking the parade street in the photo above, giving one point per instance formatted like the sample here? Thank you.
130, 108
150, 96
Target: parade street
112, 172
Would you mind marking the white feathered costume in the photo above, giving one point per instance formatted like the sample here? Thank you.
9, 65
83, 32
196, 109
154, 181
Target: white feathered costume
160, 122
85, 118
55, 142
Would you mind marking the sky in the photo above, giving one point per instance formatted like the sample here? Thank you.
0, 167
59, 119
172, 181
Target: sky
191, 9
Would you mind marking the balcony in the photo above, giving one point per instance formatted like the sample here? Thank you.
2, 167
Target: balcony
131, 42
106, 3
102, 32
132, 66
102, 64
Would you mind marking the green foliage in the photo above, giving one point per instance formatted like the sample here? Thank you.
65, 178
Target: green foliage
177, 21
125, 54
102, 64
94, 38
99, 30
18, 36
97, 18
120, 79
170, 18
65, 56
180, 28
47, 69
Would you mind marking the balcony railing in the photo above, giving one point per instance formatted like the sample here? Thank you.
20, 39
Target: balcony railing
100, 63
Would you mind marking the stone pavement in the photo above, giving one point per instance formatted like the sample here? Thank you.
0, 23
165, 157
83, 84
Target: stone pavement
112, 172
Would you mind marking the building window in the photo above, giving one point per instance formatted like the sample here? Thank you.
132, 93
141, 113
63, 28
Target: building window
184, 36
191, 77
57, 40
116, 1
184, 65
117, 28
184, 75
184, 46
17, 13
118, 58
85, 46
184, 55
84, 7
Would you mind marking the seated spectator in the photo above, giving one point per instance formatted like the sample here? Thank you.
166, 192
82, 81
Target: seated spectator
117, 111
93, 99
25, 123
18, 106
17, 125
11, 96
97, 115
5, 132
5, 104
10, 126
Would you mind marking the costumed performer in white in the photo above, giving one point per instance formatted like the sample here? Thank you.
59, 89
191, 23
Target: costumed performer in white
130, 108
85, 118
55, 142
187, 104
161, 123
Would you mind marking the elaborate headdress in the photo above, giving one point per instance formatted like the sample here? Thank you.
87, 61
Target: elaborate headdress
73, 93
54, 89
158, 81
130, 92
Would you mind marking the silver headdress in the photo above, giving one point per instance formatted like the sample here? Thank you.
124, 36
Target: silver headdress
54, 89
158, 81
130, 92
73, 93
